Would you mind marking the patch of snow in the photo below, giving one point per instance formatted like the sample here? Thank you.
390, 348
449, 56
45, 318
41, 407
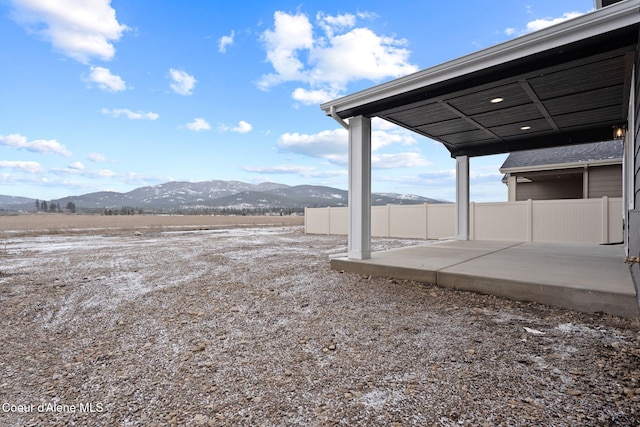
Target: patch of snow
579, 329
379, 398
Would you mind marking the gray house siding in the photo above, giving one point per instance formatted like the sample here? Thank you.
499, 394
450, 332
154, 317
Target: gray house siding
605, 181
633, 227
568, 187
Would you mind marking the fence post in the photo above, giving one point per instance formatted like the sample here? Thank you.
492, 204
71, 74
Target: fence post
529, 220
472, 221
306, 219
426, 221
605, 219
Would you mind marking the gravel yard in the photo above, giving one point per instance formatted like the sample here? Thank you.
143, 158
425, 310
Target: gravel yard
249, 326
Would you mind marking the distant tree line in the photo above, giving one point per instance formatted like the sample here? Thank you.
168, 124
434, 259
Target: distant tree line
54, 207
70, 207
124, 210
238, 211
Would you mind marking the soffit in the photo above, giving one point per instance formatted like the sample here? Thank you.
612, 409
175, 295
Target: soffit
573, 102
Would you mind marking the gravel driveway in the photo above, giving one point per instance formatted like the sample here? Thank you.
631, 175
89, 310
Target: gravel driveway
249, 326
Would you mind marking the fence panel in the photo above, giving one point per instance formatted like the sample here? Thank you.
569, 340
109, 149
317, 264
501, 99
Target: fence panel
441, 221
567, 220
578, 220
380, 221
500, 221
408, 221
339, 220
316, 221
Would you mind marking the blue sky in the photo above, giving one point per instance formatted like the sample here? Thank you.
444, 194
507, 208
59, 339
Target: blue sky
113, 95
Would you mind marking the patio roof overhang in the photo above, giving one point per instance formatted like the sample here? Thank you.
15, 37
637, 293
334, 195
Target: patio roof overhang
563, 85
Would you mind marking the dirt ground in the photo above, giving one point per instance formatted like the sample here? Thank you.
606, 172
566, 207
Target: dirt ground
249, 326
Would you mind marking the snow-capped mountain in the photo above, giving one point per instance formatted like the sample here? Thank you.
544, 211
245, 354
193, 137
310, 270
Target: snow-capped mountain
219, 194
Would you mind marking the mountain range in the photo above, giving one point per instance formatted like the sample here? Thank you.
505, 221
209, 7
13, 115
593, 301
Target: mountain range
217, 194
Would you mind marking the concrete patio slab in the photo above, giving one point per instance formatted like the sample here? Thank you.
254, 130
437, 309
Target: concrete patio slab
589, 278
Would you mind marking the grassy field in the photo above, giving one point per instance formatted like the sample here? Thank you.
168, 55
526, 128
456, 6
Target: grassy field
61, 223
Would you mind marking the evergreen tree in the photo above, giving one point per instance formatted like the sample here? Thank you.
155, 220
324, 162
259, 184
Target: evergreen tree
37, 205
71, 207
43, 206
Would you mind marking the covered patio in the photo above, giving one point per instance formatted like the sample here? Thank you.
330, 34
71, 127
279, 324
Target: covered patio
568, 84
588, 278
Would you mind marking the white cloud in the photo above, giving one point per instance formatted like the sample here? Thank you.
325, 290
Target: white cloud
332, 145
198, 124
30, 167
132, 115
76, 166
324, 145
326, 64
81, 30
314, 97
439, 176
243, 127
45, 146
361, 54
292, 34
225, 41
103, 173
383, 138
182, 82
78, 169
485, 174
134, 178
97, 157
485, 183
539, 24
331, 24
398, 160
281, 169
105, 80
304, 171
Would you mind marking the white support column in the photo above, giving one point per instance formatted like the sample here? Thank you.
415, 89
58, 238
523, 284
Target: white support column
462, 198
359, 242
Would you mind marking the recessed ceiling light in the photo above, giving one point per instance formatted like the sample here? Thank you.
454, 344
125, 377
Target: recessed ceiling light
497, 100
525, 127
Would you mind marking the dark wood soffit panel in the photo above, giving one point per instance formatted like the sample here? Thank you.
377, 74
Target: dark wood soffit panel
565, 96
586, 93
541, 140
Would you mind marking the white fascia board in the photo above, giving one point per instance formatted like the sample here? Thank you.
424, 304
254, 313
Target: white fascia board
556, 166
582, 27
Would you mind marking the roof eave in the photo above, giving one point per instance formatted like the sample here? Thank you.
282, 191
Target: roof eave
570, 165
592, 24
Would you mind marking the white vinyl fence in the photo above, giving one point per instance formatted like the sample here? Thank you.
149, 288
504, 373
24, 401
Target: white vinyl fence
575, 220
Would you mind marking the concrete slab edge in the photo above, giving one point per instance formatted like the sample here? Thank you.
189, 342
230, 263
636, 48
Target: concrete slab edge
584, 300
402, 273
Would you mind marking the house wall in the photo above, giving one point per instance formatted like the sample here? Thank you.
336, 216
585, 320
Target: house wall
633, 137
566, 188
605, 181
602, 181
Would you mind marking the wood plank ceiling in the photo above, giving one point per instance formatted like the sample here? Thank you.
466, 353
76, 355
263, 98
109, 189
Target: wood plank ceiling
569, 95
575, 102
